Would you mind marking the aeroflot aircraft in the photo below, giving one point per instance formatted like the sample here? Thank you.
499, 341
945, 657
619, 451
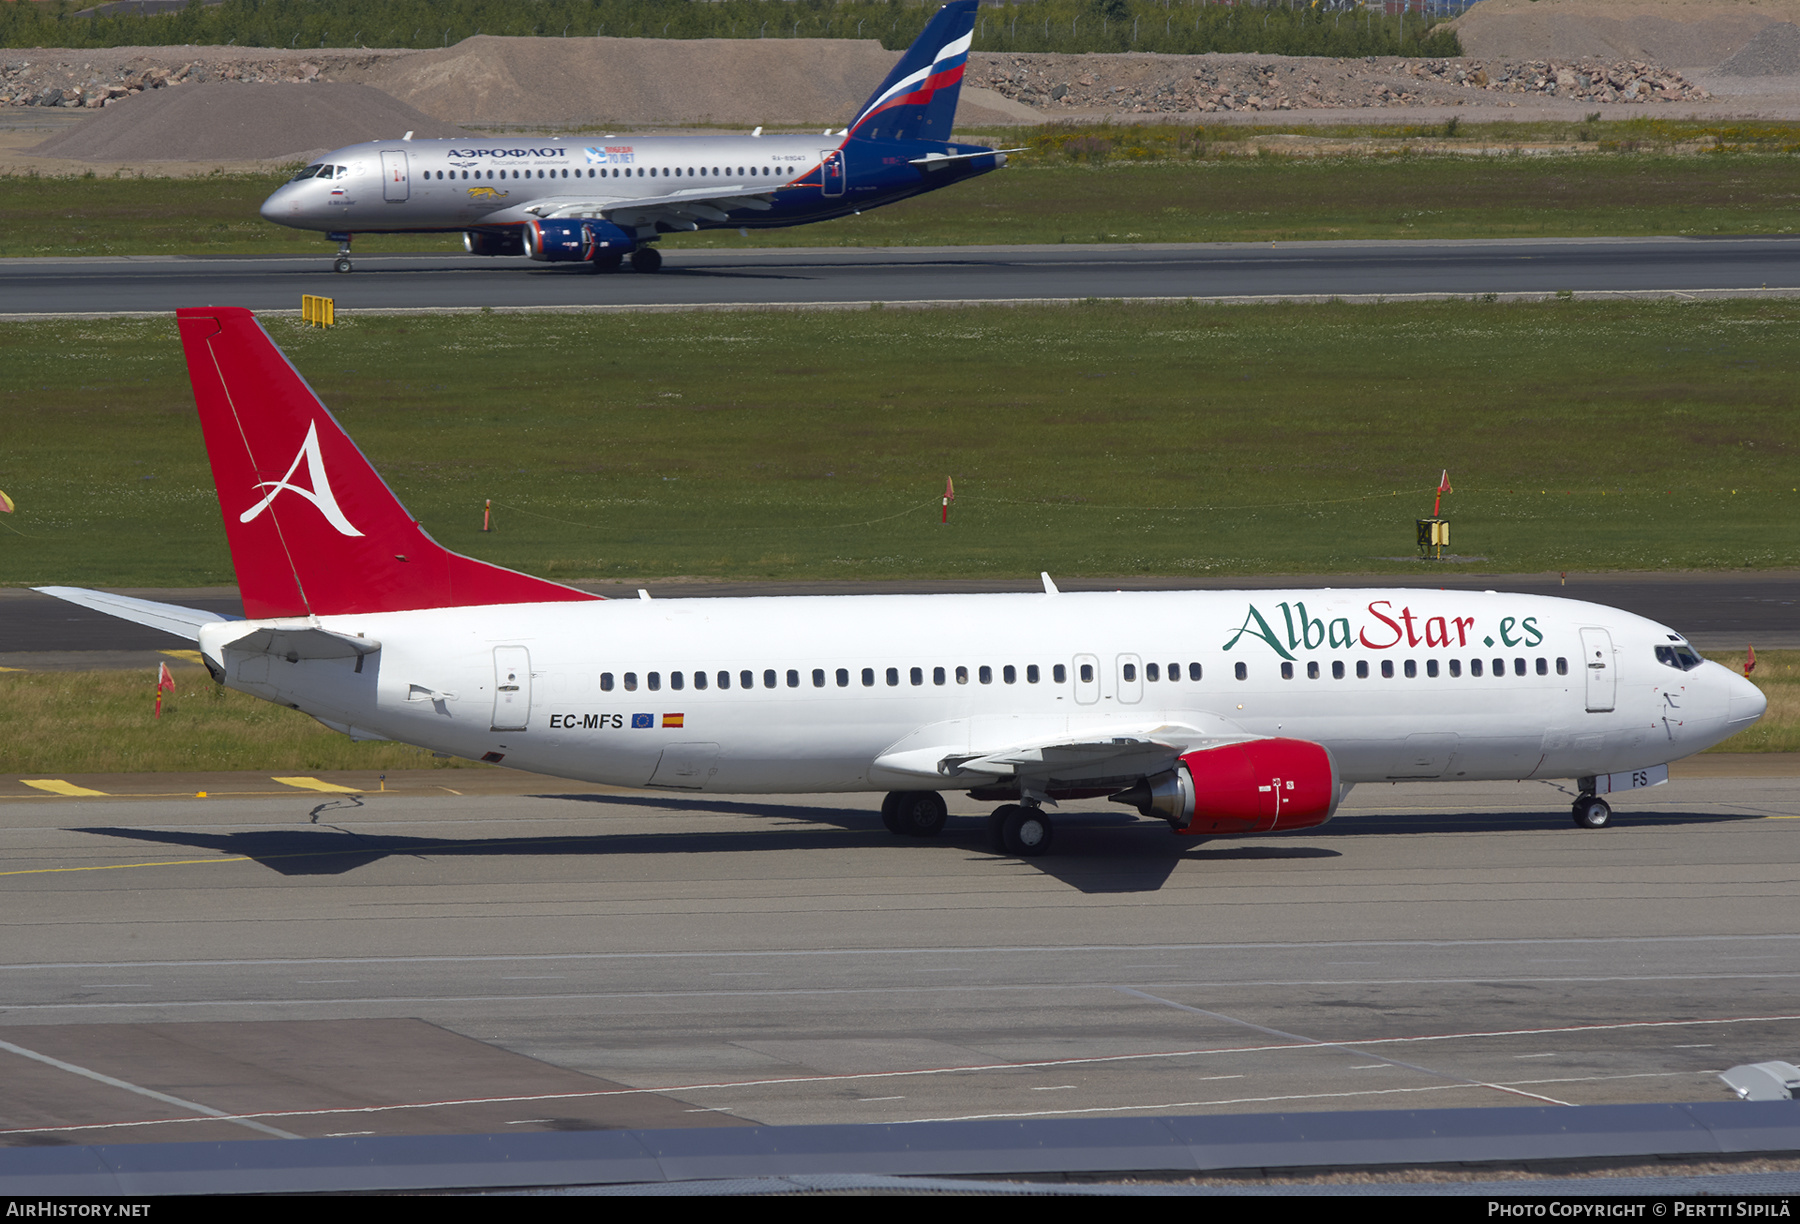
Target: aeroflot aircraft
1222, 712
571, 201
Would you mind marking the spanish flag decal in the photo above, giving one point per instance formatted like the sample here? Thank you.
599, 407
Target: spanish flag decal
673, 720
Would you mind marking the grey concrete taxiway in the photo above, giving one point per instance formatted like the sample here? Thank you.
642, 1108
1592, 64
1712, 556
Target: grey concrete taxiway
236, 967
839, 276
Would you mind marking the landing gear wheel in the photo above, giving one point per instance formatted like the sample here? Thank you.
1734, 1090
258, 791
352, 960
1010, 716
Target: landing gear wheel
890, 812
917, 813
1026, 832
1592, 813
343, 264
996, 826
608, 263
646, 259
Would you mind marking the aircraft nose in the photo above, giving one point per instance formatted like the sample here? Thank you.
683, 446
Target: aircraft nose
276, 206
1746, 702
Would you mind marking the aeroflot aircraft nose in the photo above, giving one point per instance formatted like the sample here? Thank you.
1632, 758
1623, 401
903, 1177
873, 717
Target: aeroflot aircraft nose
276, 206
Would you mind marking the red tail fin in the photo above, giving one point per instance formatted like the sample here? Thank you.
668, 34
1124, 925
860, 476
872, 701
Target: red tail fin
313, 529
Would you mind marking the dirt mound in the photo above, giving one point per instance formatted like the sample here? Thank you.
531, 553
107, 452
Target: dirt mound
238, 122
1680, 33
562, 81
1773, 52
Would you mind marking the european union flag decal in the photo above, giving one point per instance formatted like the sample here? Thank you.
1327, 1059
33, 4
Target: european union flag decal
643, 720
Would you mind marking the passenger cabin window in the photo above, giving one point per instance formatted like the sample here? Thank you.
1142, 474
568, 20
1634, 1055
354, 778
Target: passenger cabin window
1387, 669
769, 678
1193, 671
818, 677
1431, 668
1128, 672
938, 676
653, 681
1242, 671
1312, 671
893, 677
1152, 672
1010, 674
606, 682
1287, 671
631, 682
1474, 667
1337, 669
1031, 673
962, 675
1455, 667
1087, 673
916, 675
724, 679
1059, 674
1562, 667
699, 679
843, 677
868, 677
675, 680
793, 677
1412, 669
1362, 669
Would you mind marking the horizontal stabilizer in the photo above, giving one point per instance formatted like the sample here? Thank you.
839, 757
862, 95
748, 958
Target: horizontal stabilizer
170, 618
939, 161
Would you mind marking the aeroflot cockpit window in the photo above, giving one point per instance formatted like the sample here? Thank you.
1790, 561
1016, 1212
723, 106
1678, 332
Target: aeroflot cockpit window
310, 171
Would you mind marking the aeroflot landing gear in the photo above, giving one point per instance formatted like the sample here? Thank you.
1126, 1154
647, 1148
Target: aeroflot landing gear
646, 259
1592, 812
1019, 830
343, 260
914, 813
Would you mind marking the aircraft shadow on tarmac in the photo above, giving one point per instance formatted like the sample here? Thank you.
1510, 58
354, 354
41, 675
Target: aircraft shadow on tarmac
1096, 852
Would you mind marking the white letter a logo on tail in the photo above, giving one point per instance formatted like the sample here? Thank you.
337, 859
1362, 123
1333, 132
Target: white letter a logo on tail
320, 493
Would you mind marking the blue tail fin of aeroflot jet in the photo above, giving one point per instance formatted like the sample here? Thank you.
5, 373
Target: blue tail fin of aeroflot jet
918, 99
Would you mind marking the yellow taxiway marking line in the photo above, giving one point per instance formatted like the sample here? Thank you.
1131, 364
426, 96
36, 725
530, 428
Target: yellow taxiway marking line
239, 858
56, 786
313, 784
188, 656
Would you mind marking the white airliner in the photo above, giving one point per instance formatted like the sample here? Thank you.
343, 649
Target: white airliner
598, 200
1222, 712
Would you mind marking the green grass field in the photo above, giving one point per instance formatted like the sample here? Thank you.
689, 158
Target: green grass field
1093, 439
58, 723
1108, 185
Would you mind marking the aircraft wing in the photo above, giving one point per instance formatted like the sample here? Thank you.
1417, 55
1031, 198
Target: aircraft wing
680, 209
170, 618
1118, 753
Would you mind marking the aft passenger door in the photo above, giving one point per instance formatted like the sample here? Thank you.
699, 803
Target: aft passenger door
831, 172
394, 186
512, 688
1597, 665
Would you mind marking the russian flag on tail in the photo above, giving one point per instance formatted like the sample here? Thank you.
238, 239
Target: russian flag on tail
918, 99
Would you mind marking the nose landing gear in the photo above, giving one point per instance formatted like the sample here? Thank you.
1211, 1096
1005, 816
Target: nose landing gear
1591, 812
343, 263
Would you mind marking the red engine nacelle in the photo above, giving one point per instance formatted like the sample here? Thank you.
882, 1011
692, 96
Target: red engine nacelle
1258, 786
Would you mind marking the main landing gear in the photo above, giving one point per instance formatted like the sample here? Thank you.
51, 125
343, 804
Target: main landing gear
1591, 812
646, 259
1020, 829
914, 813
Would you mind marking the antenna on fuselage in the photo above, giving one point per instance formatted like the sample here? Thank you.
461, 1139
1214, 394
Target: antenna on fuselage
758, 131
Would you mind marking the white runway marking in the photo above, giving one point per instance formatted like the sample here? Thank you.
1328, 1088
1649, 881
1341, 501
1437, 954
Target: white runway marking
152, 1093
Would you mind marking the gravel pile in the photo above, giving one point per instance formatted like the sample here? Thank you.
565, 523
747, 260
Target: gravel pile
231, 121
93, 79
564, 81
1773, 52
1175, 84
1682, 33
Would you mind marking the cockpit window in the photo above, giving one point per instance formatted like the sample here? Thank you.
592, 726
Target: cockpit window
311, 170
1682, 658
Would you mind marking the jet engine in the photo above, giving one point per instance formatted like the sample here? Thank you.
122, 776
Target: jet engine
487, 242
576, 240
1258, 786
